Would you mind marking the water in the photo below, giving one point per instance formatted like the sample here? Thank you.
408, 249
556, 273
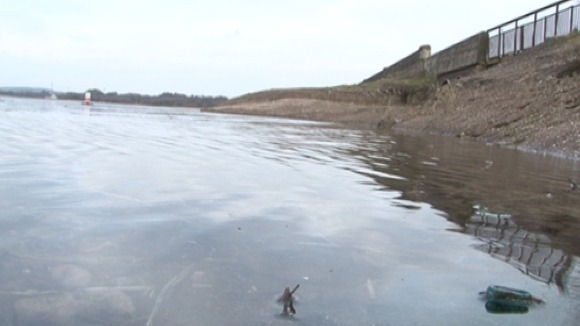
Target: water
151, 216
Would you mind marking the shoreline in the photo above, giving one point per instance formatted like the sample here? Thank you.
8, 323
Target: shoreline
529, 102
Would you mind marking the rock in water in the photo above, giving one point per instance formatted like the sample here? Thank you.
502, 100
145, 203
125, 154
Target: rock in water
84, 308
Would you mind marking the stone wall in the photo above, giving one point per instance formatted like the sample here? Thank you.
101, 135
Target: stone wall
460, 58
412, 66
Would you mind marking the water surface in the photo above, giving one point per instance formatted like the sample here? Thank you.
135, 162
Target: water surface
158, 216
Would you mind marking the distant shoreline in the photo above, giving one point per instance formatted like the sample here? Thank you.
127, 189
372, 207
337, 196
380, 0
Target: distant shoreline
166, 99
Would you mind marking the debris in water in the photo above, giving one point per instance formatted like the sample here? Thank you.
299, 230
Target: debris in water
287, 299
499, 307
503, 299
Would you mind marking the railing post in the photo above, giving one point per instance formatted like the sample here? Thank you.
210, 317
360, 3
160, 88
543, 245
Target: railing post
499, 43
571, 18
522, 36
516, 38
545, 28
556, 20
534, 31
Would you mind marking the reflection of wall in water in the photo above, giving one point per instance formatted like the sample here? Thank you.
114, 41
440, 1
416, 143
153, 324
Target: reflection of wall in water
572, 278
529, 252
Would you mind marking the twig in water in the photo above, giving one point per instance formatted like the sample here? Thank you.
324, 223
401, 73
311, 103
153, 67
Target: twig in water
287, 299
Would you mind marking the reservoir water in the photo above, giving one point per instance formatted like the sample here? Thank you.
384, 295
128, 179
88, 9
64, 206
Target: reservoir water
126, 215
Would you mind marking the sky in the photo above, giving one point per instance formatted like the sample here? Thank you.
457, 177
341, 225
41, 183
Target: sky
226, 47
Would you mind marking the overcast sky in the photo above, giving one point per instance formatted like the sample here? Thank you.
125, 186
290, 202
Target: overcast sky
226, 47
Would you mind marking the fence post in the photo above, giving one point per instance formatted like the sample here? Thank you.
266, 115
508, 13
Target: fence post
499, 41
571, 18
556, 20
534, 31
516, 37
545, 28
522, 36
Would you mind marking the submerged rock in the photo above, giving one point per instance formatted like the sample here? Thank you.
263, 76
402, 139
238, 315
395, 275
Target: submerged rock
109, 307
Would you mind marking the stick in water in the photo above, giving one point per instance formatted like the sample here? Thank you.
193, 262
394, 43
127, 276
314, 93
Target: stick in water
287, 299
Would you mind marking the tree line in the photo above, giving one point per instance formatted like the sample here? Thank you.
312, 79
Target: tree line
164, 99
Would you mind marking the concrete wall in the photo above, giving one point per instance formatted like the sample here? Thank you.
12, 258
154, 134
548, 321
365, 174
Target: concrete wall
412, 66
460, 58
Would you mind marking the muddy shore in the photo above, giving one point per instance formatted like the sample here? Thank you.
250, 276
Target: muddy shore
530, 101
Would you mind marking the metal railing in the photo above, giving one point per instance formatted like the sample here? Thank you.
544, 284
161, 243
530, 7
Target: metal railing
527, 31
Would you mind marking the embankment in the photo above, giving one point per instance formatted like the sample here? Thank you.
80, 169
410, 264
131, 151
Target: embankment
530, 101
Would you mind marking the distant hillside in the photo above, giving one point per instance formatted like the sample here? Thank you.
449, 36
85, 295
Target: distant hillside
25, 90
